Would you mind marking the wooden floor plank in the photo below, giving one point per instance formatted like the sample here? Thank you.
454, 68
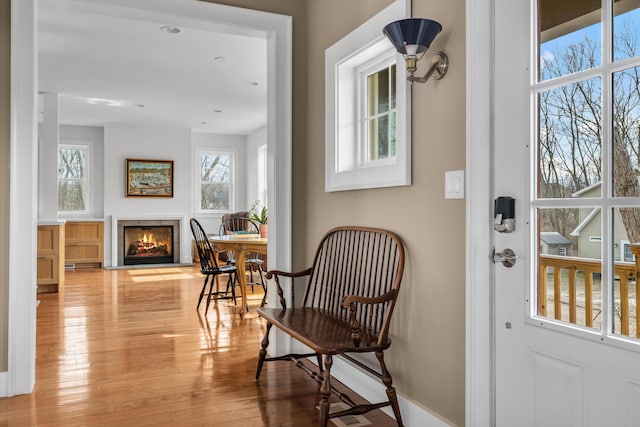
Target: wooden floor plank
128, 348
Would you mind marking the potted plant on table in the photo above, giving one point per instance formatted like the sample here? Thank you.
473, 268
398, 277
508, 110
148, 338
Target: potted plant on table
258, 213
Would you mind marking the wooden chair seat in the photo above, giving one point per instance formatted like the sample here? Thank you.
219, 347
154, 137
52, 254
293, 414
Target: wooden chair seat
322, 331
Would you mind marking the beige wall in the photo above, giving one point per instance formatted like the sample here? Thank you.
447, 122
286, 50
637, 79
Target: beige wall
428, 356
5, 90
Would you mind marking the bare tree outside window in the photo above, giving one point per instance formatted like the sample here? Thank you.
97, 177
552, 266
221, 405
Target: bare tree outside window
73, 178
215, 181
571, 126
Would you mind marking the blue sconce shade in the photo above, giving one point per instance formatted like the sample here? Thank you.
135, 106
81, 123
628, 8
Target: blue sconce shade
415, 34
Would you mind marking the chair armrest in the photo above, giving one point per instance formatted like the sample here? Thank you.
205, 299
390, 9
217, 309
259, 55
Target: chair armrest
276, 276
350, 301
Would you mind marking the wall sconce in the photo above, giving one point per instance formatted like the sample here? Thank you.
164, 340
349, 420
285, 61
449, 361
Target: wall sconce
412, 38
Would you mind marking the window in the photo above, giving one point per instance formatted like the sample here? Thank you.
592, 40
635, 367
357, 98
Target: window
368, 108
625, 251
587, 107
562, 251
379, 114
73, 178
216, 181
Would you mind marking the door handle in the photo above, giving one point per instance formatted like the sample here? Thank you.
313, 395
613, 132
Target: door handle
507, 257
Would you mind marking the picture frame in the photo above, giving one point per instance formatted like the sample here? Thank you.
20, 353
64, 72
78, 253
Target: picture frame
149, 178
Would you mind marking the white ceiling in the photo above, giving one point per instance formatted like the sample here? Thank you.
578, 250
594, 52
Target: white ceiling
84, 53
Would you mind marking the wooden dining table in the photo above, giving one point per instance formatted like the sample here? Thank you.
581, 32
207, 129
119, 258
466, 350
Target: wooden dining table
241, 245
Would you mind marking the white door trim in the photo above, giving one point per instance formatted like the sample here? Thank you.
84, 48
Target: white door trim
479, 372
20, 377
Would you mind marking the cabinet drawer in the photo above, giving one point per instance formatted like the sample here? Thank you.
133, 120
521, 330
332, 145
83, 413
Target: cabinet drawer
83, 252
48, 269
85, 231
48, 241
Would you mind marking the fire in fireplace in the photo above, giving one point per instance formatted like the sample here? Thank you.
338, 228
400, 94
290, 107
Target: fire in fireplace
148, 244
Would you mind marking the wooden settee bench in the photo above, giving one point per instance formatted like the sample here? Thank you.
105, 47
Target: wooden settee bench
350, 294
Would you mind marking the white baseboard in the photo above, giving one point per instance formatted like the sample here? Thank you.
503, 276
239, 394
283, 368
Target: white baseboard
373, 390
4, 387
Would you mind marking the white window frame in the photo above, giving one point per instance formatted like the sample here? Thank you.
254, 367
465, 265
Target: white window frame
364, 71
87, 178
198, 181
344, 168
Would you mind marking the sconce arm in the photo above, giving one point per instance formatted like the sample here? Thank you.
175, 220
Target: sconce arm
439, 67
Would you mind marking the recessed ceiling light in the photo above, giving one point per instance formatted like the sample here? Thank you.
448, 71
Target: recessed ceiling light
203, 123
170, 29
252, 83
217, 111
139, 105
103, 101
219, 58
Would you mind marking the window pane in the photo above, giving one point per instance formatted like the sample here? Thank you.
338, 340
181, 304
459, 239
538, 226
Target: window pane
570, 265
626, 31
393, 87
215, 177
72, 163
626, 236
626, 121
373, 139
378, 92
214, 196
570, 138
71, 195
72, 178
392, 135
215, 167
569, 36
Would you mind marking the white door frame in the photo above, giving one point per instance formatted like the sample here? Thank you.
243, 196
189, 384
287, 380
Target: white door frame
20, 377
479, 372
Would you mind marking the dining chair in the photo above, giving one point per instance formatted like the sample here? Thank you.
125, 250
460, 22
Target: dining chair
210, 269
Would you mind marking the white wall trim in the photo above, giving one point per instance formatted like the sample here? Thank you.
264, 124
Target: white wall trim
479, 373
373, 390
23, 202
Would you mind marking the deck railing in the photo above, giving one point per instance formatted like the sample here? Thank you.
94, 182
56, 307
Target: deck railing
571, 274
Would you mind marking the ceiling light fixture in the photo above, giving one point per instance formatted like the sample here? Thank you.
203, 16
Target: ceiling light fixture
217, 111
104, 101
170, 29
252, 83
219, 58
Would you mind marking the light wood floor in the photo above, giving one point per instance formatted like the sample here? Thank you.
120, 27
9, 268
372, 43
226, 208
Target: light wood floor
127, 347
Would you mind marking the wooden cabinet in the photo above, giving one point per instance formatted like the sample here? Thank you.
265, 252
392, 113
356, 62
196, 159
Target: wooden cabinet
84, 243
50, 265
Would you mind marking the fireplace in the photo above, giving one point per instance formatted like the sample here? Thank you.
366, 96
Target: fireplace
140, 241
151, 244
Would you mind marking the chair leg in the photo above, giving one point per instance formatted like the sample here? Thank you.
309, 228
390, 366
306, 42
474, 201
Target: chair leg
325, 391
263, 350
206, 279
211, 283
264, 287
391, 391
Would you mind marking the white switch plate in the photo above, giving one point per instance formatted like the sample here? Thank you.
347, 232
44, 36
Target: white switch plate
454, 185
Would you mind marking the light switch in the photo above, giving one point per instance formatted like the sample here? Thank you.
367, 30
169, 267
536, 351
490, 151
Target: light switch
454, 184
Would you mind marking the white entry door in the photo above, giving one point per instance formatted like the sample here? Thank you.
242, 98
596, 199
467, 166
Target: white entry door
566, 148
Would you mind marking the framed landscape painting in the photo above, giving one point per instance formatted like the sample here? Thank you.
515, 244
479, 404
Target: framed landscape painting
149, 178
